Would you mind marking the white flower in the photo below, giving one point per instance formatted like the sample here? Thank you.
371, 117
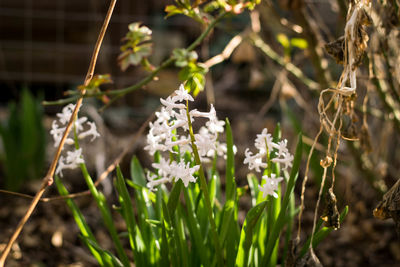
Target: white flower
73, 159
92, 131
163, 115
153, 182
57, 133
263, 141
170, 104
282, 148
182, 94
63, 118
286, 160
270, 185
185, 173
66, 113
153, 143
205, 141
255, 162
181, 142
171, 170
79, 123
215, 125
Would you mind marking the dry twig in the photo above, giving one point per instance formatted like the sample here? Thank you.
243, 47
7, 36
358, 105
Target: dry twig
48, 179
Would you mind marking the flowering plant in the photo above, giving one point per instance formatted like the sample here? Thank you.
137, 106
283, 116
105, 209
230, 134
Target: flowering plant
203, 228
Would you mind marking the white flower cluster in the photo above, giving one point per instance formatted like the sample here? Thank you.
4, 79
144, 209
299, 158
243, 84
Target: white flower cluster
73, 158
265, 145
170, 129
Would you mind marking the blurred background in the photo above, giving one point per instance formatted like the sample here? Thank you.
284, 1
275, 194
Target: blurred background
45, 49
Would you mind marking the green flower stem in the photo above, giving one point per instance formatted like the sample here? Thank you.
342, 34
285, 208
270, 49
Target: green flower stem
105, 211
121, 92
204, 188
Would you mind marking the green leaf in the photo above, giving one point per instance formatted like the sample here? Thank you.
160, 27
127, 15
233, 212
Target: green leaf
106, 215
172, 10
279, 223
246, 235
138, 248
230, 164
254, 190
137, 46
283, 40
299, 43
23, 158
137, 173
171, 236
108, 258
80, 221
173, 198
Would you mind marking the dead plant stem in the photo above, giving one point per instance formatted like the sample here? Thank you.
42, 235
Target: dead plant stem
48, 179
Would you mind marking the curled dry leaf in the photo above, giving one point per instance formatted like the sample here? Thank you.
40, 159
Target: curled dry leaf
331, 214
336, 48
389, 207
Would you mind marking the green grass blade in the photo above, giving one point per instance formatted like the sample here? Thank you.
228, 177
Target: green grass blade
173, 198
137, 173
79, 220
279, 224
230, 164
195, 231
171, 237
106, 215
129, 218
109, 258
246, 235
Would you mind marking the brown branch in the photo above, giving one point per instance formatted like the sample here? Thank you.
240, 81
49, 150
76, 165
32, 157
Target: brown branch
48, 179
226, 53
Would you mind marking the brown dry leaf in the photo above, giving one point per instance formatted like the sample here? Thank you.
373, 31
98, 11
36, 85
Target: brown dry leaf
389, 207
331, 213
336, 49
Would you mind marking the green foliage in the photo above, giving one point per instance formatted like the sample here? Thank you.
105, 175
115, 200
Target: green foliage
23, 139
137, 47
289, 44
200, 10
164, 229
193, 72
96, 82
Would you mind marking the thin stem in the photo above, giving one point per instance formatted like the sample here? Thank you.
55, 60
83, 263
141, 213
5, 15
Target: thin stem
290, 67
121, 92
303, 186
48, 179
204, 188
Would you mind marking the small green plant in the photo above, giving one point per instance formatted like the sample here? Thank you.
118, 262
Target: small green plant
23, 138
193, 222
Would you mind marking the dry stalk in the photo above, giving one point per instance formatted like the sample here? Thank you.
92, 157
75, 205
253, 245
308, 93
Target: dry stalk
48, 179
338, 99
